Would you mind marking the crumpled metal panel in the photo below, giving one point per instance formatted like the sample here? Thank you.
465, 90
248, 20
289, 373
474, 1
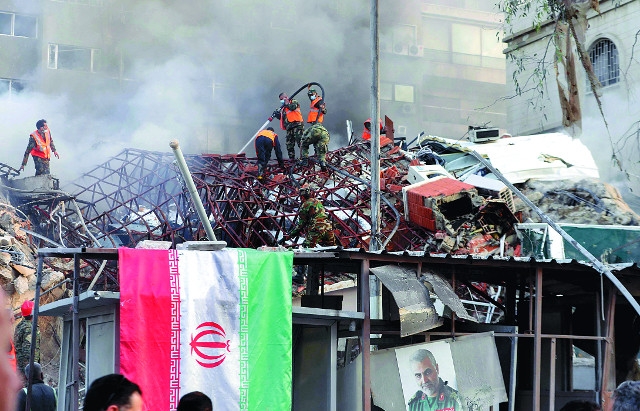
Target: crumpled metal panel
445, 292
417, 312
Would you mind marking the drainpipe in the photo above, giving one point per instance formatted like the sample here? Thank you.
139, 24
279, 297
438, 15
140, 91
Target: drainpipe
186, 175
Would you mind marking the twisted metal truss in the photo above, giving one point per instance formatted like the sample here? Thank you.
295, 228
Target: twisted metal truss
140, 195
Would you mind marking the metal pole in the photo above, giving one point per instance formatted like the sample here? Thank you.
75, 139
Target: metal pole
365, 335
34, 332
254, 136
552, 376
186, 175
375, 130
537, 342
75, 333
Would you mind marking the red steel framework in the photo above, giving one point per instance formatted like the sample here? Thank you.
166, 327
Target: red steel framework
140, 195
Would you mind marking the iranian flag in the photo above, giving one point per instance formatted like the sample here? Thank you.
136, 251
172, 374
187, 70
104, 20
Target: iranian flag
218, 322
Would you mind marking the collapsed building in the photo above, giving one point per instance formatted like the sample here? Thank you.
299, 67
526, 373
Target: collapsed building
438, 200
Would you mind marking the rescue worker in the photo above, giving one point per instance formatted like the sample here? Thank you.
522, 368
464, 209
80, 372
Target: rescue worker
313, 221
43, 397
319, 137
266, 141
40, 147
290, 120
22, 337
434, 394
317, 108
366, 131
12, 347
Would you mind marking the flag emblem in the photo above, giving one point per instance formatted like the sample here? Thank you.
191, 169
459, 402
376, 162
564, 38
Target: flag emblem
210, 345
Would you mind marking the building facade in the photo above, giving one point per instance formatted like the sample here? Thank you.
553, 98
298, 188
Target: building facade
215, 70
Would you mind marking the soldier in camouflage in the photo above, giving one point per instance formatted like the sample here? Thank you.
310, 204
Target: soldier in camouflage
313, 222
22, 337
319, 137
434, 394
290, 120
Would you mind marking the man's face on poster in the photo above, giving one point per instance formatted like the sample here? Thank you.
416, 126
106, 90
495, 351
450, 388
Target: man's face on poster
426, 375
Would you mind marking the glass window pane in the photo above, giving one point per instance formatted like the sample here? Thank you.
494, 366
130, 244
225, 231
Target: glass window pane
404, 93
5, 23
25, 26
4, 86
16, 86
492, 44
52, 56
74, 58
436, 35
386, 91
466, 39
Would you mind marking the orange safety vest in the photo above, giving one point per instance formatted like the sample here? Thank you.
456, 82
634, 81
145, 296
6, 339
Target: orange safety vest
12, 357
269, 134
366, 134
292, 116
315, 114
43, 147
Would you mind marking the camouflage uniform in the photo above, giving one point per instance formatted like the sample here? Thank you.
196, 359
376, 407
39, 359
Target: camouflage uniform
294, 130
446, 399
22, 341
42, 165
314, 222
319, 137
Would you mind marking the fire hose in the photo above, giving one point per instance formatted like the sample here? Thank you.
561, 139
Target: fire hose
266, 123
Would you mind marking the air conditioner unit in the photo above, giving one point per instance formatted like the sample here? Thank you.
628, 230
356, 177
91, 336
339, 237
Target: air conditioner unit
416, 51
385, 46
481, 135
401, 48
408, 108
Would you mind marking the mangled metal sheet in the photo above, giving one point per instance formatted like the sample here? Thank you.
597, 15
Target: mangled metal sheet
445, 292
417, 312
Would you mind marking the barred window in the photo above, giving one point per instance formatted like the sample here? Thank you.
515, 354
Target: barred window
604, 58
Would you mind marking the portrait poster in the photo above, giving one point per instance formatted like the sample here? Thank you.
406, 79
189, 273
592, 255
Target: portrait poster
444, 375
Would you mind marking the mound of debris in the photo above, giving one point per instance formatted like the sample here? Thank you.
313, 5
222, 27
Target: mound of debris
18, 280
586, 201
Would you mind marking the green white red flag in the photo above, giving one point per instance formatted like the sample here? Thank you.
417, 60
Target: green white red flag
218, 322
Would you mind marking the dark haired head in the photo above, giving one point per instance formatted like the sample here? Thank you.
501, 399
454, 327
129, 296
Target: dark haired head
270, 129
627, 396
195, 401
579, 405
111, 389
36, 375
41, 123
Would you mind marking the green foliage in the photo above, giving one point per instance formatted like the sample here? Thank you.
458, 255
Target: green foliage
538, 11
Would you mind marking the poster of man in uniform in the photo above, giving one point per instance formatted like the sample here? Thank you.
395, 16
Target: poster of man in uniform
428, 378
444, 375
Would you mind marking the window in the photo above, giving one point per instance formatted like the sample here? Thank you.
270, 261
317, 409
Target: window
604, 58
62, 57
18, 25
403, 93
397, 92
10, 86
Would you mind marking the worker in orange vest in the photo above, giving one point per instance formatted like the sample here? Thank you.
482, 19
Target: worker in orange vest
317, 108
40, 147
12, 347
266, 141
290, 120
366, 131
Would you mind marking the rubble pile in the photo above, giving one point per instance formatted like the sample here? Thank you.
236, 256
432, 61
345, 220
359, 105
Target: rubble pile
18, 279
586, 201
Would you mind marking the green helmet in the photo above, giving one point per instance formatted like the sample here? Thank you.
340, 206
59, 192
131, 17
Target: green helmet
311, 92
